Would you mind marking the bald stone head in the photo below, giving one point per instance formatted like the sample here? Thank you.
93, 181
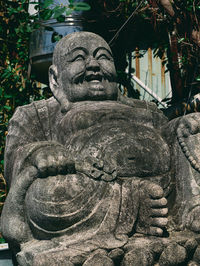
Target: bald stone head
83, 69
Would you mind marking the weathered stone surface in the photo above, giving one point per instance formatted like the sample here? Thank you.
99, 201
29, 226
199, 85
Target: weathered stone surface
93, 174
98, 258
173, 254
191, 245
196, 257
138, 257
116, 254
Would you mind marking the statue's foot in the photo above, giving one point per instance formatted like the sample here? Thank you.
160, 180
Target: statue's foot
193, 222
153, 211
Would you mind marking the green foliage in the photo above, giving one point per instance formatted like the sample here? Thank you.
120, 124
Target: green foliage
15, 88
50, 10
177, 33
2, 240
81, 6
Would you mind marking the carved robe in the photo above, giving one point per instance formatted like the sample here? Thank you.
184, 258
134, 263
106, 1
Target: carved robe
76, 207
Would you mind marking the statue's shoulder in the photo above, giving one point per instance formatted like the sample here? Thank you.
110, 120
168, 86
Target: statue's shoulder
148, 109
32, 109
150, 106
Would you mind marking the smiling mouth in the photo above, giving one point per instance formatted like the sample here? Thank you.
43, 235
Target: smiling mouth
95, 81
94, 78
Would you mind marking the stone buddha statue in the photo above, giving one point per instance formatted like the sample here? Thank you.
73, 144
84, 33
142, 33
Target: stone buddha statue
92, 174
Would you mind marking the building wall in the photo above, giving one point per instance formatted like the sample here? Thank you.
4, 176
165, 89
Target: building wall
151, 72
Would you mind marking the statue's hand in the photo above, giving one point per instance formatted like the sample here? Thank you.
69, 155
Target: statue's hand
51, 161
189, 125
153, 209
93, 168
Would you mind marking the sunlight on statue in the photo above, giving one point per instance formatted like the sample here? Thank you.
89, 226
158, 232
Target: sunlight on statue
90, 170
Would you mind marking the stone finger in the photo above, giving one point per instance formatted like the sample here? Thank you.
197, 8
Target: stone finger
86, 168
94, 173
192, 124
98, 164
157, 203
194, 128
38, 157
155, 231
108, 177
159, 212
160, 222
30, 172
94, 162
185, 132
156, 192
42, 166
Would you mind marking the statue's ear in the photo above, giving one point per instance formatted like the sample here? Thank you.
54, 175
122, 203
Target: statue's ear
53, 75
57, 89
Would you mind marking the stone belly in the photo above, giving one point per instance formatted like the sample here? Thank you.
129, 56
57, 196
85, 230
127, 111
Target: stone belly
62, 202
130, 150
123, 137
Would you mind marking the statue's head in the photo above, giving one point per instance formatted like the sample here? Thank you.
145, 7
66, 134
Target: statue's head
83, 69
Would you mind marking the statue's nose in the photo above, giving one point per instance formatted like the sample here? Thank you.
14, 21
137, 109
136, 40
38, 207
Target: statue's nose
92, 64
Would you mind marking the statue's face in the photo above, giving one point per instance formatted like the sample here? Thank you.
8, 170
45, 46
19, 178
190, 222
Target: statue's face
86, 70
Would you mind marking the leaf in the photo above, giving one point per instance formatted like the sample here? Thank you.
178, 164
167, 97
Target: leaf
7, 96
61, 18
56, 37
46, 14
7, 107
71, 6
180, 40
2, 240
36, 26
81, 6
29, 28
68, 12
47, 3
12, 10
7, 74
58, 12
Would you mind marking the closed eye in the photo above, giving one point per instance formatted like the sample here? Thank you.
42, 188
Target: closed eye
103, 56
78, 58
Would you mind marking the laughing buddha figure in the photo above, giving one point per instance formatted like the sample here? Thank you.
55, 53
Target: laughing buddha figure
88, 169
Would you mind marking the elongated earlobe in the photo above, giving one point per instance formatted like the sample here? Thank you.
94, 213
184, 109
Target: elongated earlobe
53, 82
58, 90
